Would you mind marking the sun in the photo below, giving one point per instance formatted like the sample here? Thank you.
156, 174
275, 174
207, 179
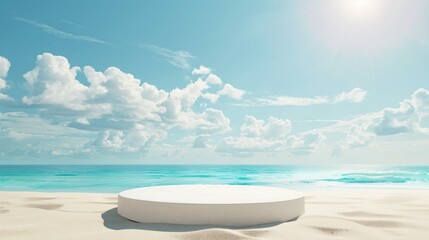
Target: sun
360, 3
364, 26
361, 8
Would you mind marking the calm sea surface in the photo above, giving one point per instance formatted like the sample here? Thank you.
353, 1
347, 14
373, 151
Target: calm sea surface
115, 178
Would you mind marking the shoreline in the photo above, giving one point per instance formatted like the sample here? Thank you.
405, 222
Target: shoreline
354, 213
302, 189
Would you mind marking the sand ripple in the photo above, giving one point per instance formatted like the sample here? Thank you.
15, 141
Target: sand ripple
330, 214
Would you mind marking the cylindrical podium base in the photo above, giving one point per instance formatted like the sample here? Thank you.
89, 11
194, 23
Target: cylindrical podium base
221, 205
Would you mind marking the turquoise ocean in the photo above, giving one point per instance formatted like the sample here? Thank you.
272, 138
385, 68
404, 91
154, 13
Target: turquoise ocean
115, 178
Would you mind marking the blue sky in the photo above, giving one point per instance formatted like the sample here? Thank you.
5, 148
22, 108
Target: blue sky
265, 82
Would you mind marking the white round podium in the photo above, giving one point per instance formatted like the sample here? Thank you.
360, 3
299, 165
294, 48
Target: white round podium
221, 205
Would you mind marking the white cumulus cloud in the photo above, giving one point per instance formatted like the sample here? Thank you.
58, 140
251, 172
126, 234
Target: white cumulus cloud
359, 136
127, 113
305, 143
202, 70
213, 79
200, 141
212, 97
405, 118
274, 128
231, 91
256, 135
356, 95
226, 90
52, 81
363, 130
4, 69
134, 140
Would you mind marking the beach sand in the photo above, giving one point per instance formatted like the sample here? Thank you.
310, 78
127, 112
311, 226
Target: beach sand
330, 214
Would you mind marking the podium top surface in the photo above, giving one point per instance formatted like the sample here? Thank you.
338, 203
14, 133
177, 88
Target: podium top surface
211, 194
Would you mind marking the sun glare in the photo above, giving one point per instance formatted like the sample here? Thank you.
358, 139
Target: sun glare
363, 26
360, 3
360, 8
